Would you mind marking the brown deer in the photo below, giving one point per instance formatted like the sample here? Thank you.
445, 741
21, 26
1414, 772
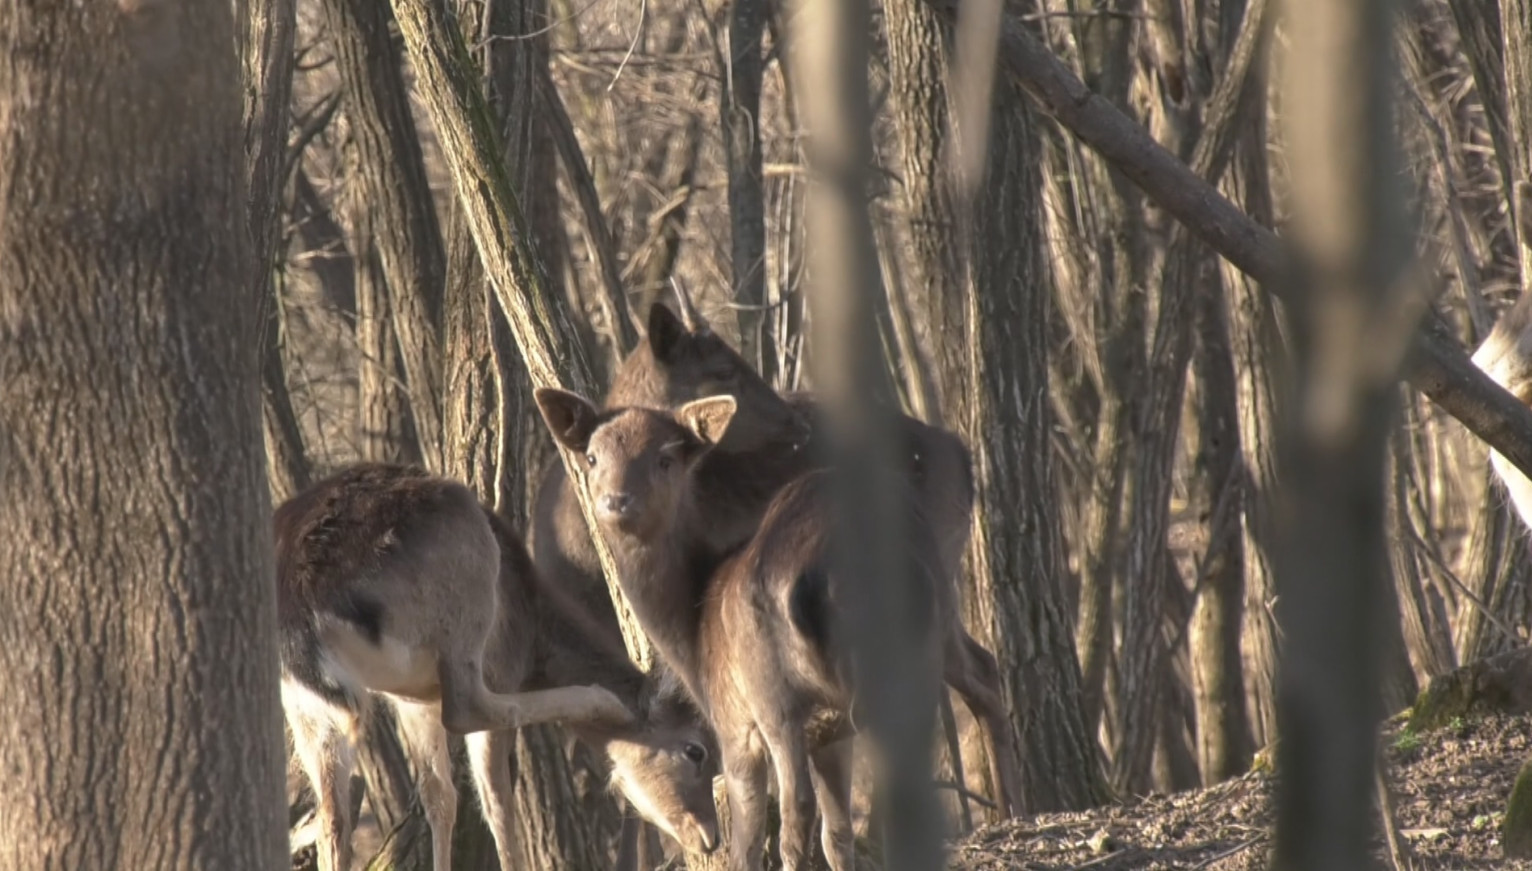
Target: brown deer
644, 479
400, 585
680, 359
771, 440
1506, 357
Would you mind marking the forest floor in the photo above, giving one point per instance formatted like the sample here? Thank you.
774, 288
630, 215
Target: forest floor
1449, 786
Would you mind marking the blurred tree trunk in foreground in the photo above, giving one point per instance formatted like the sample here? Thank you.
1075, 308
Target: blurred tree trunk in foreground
1354, 313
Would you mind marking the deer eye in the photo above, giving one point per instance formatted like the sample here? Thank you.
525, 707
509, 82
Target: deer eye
665, 462
695, 752
590, 460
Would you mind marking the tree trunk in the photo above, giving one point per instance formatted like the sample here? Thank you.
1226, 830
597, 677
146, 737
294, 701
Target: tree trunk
1261, 366
489, 407
389, 180
385, 425
1224, 743
265, 38
139, 627
1001, 310
741, 105
1435, 365
543, 329
1018, 596
897, 689
1351, 249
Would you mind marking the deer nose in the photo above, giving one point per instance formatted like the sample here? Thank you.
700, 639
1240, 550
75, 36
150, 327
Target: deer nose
708, 834
617, 503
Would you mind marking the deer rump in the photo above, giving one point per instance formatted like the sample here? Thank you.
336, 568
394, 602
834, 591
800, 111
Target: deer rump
396, 583
801, 608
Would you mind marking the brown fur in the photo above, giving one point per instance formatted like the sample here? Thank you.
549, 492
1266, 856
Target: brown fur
665, 565
384, 570
674, 365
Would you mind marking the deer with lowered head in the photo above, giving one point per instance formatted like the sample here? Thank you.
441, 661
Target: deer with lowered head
396, 584
756, 639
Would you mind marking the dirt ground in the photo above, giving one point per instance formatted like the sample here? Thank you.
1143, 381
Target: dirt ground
1449, 788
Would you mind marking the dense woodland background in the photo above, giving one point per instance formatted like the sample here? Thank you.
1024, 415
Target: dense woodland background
1121, 385
1118, 385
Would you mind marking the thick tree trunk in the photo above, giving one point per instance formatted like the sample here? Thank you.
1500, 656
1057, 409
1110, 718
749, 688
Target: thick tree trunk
1018, 594
139, 624
1349, 338
896, 688
389, 182
1000, 312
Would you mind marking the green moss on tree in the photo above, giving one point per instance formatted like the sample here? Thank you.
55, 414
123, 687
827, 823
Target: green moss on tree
1516, 830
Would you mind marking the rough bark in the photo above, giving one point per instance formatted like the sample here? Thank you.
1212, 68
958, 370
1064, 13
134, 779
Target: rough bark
1186, 273
1000, 309
741, 109
539, 321
388, 181
1224, 742
385, 424
139, 630
1502, 573
930, 260
1018, 596
1106, 286
288, 466
1352, 247
489, 405
1426, 634
265, 38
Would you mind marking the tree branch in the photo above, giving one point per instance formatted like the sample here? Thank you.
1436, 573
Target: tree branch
1437, 365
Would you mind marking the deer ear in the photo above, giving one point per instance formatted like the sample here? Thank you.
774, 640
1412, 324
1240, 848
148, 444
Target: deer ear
666, 332
570, 417
707, 418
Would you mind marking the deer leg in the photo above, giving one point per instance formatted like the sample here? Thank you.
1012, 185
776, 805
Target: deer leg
491, 756
422, 728
744, 772
795, 793
326, 754
832, 786
973, 672
468, 705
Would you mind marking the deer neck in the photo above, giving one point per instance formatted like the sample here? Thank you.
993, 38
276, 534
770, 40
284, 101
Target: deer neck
664, 583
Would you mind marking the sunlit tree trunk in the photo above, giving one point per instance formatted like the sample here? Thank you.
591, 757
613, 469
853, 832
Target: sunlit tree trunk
492, 440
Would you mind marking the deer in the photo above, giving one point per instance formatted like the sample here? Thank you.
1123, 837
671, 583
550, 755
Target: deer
400, 587
680, 359
771, 440
1506, 357
698, 611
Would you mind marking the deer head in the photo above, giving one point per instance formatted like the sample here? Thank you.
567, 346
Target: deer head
639, 459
